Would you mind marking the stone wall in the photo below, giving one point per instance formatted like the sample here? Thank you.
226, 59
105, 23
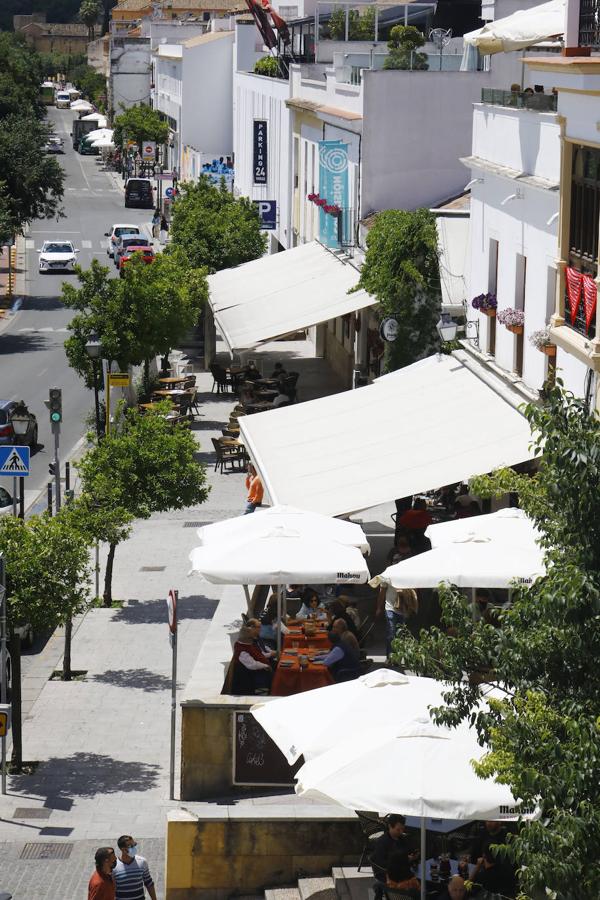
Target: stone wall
215, 859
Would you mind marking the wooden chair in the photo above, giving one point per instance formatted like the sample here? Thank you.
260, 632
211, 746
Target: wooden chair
235, 457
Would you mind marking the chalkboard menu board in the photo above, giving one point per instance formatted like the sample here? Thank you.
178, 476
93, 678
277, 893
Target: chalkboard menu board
256, 758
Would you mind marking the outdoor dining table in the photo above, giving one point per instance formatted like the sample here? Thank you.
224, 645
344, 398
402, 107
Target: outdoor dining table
439, 883
173, 379
259, 406
290, 678
174, 392
296, 636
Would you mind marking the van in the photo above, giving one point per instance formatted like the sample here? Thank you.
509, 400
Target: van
138, 193
62, 100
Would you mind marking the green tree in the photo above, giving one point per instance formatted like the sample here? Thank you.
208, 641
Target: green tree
144, 467
21, 74
34, 181
401, 270
267, 65
544, 734
89, 13
91, 84
140, 123
361, 26
403, 44
137, 317
47, 570
214, 229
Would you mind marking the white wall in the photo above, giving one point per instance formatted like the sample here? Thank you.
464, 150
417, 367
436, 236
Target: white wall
519, 138
259, 97
207, 98
170, 32
130, 70
416, 126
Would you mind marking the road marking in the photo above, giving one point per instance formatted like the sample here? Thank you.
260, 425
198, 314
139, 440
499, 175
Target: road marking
45, 329
87, 245
47, 231
43, 372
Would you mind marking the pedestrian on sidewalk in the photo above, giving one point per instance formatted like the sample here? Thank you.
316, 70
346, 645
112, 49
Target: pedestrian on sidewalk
101, 885
255, 489
131, 873
164, 230
155, 223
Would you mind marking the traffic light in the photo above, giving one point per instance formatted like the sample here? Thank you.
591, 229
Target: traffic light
55, 405
52, 468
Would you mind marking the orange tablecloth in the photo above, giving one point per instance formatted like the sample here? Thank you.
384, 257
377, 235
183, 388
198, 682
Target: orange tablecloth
319, 640
294, 680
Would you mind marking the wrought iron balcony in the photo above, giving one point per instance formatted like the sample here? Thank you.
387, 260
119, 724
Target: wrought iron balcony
589, 24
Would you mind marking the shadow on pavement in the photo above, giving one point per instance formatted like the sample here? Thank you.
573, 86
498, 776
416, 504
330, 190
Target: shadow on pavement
150, 612
143, 679
44, 304
23, 343
86, 775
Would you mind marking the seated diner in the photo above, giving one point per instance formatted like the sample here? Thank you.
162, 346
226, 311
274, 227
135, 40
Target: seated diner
343, 660
252, 668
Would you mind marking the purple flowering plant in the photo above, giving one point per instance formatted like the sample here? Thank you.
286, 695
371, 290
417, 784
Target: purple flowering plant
484, 301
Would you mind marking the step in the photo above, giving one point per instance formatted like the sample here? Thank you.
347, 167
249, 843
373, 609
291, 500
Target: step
317, 889
350, 884
282, 893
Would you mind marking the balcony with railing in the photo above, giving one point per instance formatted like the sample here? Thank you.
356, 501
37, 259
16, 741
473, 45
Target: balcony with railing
527, 99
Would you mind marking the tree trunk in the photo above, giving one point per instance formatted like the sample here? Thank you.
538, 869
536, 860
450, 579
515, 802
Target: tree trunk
108, 575
147, 378
15, 691
66, 672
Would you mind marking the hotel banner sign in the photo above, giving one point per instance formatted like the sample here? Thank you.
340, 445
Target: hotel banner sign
259, 156
333, 187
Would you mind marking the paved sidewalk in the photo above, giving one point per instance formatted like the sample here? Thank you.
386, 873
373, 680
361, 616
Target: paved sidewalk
102, 742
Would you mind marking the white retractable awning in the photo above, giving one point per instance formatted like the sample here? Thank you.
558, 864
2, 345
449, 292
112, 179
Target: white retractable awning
282, 293
524, 28
427, 425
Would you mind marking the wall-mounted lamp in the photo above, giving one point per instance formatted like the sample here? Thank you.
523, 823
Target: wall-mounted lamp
552, 218
472, 182
448, 328
517, 196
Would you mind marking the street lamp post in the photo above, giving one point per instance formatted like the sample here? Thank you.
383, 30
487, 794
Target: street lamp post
93, 348
21, 424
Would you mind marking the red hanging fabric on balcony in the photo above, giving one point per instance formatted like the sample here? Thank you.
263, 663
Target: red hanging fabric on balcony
590, 298
574, 283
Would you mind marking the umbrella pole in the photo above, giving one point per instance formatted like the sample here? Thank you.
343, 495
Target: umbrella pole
279, 600
248, 600
423, 859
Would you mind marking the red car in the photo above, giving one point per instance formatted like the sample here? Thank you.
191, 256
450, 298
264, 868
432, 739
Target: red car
147, 254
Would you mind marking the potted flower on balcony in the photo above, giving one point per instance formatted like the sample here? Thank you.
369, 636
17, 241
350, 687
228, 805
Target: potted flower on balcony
542, 340
485, 303
513, 319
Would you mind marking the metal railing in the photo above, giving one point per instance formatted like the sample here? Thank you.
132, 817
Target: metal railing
589, 23
520, 99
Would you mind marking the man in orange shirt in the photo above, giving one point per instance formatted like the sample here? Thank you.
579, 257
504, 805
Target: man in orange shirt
255, 490
102, 886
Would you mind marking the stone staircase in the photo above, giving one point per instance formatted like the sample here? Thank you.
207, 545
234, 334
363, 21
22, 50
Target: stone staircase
345, 883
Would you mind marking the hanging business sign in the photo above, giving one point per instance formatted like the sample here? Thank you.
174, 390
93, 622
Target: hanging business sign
333, 188
267, 210
388, 329
259, 156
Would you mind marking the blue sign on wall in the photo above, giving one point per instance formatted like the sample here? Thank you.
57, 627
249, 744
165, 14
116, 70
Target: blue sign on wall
333, 187
267, 210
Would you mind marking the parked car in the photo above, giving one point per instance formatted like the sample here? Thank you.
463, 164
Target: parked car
55, 144
146, 253
115, 233
57, 256
87, 149
7, 434
138, 193
126, 241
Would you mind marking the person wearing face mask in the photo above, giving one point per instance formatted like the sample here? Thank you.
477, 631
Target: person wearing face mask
101, 885
131, 874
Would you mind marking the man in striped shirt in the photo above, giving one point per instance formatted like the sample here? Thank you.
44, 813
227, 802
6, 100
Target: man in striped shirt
131, 874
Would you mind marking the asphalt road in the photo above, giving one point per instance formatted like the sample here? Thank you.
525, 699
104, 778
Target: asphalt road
32, 357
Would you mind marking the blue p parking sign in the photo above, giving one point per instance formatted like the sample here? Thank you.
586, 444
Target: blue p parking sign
267, 210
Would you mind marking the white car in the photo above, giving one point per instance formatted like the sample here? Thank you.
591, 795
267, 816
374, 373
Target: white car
115, 233
57, 256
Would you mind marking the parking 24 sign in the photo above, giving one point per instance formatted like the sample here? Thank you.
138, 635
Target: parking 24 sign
259, 156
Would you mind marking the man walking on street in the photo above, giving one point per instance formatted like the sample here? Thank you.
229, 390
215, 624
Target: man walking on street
131, 873
102, 886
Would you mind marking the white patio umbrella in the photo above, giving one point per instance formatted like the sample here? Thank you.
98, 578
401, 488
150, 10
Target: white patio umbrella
417, 768
470, 564
506, 527
78, 105
99, 133
314, 722
103, 143
307, 524
280, 557
522, 29
97, 117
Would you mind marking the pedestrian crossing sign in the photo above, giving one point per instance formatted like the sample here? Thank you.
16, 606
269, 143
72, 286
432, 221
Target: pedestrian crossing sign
14, 461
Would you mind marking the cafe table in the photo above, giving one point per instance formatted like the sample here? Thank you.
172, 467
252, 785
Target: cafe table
296, 636
290, 678
174, 392
173, 379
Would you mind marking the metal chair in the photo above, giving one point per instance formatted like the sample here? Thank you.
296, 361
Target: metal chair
371, 828
220, 379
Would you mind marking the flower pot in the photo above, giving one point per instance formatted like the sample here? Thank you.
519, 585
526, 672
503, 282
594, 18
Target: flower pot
549, 349
516, 329
489, 312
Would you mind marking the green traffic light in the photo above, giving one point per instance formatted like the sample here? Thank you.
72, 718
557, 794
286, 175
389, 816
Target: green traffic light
55, 417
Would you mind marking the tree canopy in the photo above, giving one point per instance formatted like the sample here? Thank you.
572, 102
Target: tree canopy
361, 25
140, 123
214, 229
401, 270
20, 77
403, 43
89, 13
544, 734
